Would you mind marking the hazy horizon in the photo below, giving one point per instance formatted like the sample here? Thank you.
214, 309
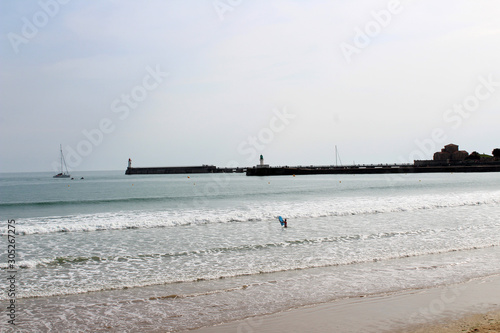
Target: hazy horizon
221, 82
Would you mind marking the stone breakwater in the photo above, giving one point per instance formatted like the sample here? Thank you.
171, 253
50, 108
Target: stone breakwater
318, 170
181, 170
372, 169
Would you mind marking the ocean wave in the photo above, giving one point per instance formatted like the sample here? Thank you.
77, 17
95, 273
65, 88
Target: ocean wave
137, 283
83, 260
91, 201
250, 213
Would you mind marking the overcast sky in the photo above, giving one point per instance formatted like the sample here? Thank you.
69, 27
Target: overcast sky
221, 82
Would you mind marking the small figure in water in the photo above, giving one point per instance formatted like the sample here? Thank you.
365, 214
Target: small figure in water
282, 221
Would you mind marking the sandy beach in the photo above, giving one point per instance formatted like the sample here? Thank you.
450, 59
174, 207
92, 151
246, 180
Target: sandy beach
481, 323
473, 306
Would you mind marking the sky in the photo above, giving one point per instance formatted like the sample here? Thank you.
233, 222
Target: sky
172, 83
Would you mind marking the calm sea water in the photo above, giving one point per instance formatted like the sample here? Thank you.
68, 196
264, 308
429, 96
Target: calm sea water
172, 252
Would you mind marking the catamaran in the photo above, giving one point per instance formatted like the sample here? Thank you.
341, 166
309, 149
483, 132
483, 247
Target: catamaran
63, 174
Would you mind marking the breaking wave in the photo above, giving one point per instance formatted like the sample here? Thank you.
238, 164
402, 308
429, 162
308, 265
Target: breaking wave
252, 212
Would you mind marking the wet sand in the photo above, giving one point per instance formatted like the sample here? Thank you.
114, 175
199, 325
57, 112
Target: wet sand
473, 306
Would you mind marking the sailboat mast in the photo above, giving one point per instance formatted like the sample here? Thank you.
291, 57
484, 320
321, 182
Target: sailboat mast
60, 153
63, 161
62, 174
336, 155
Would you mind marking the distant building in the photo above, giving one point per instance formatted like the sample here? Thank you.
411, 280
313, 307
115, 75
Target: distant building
450, 152
441, 156
460, 155
450, 148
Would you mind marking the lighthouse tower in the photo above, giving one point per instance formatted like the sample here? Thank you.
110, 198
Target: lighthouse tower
261, 163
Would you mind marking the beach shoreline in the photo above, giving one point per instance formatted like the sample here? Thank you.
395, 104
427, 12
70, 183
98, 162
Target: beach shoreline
439, 309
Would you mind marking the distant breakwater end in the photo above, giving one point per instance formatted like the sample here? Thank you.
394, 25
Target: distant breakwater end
181, 170
316, 170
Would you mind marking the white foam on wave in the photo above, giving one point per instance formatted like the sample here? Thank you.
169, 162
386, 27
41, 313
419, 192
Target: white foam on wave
252, 212
25, 263
245, 270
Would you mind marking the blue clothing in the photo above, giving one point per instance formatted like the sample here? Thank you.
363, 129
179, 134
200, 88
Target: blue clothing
281, 220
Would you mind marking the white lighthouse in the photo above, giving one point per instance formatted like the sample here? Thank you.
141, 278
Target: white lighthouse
261, 163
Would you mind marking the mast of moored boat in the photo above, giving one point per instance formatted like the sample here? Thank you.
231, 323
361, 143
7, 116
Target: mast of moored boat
63, 161
60, 149
62, 174
337, 156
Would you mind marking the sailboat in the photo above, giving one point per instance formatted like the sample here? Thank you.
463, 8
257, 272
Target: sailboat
63, 174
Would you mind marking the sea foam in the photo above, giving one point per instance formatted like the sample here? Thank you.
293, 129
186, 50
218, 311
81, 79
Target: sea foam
322, 207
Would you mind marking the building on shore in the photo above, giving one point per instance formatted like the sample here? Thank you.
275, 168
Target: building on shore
450, 152
451, 155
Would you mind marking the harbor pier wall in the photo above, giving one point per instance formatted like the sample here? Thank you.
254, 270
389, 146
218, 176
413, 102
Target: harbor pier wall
181, 170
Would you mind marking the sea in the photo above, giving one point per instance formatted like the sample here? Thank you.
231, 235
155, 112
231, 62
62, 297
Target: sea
109, 252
